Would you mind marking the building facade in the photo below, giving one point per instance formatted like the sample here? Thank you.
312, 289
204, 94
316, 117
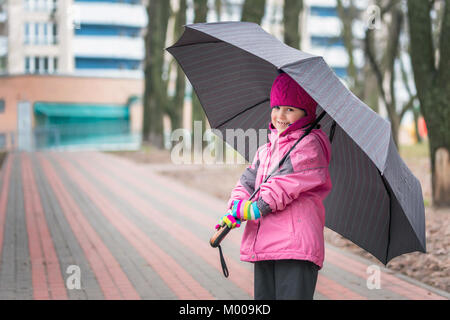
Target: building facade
91, 51
69, 112
77, 37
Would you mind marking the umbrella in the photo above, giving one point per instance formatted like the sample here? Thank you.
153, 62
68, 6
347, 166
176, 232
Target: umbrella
376, 202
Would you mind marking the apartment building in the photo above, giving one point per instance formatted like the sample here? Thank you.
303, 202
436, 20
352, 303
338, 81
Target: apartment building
90, 50
78, 37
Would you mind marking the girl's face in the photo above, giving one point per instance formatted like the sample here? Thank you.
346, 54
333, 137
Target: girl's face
283, 116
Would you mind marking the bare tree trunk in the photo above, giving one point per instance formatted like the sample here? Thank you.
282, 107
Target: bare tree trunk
432, 79
218, 9
155, 94
347, 16
361, 82
291, 14
198, 114
416, 114
385, 70
175, 109
253, 11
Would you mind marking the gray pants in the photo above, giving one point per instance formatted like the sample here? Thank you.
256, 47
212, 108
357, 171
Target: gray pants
285, 280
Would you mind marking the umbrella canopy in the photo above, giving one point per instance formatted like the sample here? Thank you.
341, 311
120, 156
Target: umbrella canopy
376, 201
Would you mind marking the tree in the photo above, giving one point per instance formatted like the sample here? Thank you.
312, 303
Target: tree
431, 67
218, 9
291, 15
198, 114
155, 89
384, 67
360, 80
253, 11
175, 108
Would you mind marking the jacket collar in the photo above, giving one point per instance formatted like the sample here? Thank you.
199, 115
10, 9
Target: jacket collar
285, 135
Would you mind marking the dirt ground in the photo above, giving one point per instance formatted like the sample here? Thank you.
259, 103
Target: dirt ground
431, 268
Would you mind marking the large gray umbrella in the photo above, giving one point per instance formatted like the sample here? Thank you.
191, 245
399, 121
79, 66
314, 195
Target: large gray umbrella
376, 201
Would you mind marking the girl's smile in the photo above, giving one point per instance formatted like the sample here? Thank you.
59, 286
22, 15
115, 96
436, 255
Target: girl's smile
283, 116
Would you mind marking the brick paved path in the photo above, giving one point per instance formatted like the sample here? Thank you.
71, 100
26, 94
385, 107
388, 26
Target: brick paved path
132, 234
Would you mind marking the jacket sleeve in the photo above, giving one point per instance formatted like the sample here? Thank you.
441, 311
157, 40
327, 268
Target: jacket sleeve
246, 184
305, 169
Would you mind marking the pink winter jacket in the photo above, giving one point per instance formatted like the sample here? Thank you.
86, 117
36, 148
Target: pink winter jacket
293, 215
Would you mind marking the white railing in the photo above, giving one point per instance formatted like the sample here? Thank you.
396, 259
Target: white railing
111, 13
109, 47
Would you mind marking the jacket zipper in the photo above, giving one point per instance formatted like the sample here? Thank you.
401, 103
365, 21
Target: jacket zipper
263, 178
256, 236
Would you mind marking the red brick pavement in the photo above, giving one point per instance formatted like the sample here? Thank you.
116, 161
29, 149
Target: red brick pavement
122, 192
46, 272
111, 277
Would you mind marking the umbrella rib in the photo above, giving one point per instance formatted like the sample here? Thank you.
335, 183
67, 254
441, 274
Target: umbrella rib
246, 109
383, 179
193, 44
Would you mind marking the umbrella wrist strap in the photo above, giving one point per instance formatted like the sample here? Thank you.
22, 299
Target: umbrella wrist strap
222, 262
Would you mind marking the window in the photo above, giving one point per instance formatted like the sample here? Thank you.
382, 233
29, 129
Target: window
37, 65
40, 5
2, 105
3, 64
27, 65
325, 41
54, 33
87, 29
106, 63
45, 39
36, 33
27, 33
323, 11
40, 33
2, 140
45, 64
41, 64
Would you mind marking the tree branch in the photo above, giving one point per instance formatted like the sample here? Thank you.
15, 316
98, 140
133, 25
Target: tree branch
407, 106
347, 36
388, 7
392, 48
405, 77
368, 48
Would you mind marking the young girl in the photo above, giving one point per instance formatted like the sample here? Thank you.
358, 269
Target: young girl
284, 231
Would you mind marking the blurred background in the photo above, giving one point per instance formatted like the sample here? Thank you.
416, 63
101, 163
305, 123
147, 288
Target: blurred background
93, 74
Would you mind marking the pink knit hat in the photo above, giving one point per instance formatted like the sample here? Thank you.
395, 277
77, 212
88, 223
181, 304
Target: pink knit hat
287, 92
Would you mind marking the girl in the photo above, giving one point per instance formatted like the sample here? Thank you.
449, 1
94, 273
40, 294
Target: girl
283, 236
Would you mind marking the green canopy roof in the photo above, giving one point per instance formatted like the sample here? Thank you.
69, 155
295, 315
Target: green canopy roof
81, 110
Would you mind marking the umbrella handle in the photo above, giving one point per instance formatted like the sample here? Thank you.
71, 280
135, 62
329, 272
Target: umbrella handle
220, 234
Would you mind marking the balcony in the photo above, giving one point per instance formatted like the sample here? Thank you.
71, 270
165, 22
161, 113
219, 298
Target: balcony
109, 47
110, 14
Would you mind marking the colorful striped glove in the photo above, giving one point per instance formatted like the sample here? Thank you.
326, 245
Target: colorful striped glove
245, 210
229, 220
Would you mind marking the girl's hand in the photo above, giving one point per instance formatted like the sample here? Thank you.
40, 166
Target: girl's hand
229, 220
245, 210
